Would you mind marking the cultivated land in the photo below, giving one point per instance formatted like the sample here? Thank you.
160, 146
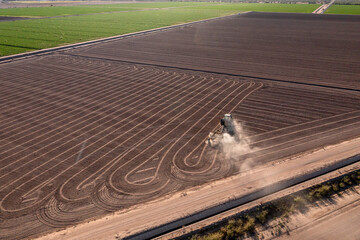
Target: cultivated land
344, 9
89, 131
88, 9
98, 21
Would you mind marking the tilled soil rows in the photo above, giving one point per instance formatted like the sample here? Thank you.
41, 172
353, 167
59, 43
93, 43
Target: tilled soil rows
98, 129
306, 48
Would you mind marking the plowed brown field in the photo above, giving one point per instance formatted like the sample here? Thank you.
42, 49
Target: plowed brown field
96, 129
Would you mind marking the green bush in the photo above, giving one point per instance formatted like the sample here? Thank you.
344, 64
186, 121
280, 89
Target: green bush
231, 224
325, 190
214, 236
321, 191
347, 180
261, 217
249, 226
239, 230
335, 187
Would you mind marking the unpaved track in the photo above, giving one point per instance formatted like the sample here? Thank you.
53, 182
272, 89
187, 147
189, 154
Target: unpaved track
140, 127
322, 9
341, 223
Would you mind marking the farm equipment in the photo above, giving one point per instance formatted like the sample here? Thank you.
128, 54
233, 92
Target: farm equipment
227, 126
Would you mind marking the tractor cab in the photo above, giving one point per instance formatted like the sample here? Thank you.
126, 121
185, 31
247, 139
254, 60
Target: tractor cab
227, 126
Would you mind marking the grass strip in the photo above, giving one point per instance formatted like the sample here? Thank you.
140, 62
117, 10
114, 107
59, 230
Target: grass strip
344, 9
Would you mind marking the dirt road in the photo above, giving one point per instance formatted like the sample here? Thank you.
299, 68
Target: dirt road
322, 9
183, 204
342, 224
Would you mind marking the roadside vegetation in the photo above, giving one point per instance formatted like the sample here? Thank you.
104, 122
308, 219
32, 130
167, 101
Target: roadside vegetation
247, 222
114, 19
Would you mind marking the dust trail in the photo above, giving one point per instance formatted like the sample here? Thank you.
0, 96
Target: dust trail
237, 148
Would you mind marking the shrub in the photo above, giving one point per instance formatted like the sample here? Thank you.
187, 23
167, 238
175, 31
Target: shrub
299, 201
223, 230
325, 190
230, 233
214, 236
321, 191
346, 180
249, 226
261, 217
194, 237
231, 224
239, 230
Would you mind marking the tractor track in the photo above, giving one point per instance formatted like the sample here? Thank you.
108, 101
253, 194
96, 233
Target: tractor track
88, 131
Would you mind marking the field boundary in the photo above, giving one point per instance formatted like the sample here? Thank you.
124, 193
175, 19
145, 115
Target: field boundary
207, 224
318, 163
177, 225
10, 58
216, 72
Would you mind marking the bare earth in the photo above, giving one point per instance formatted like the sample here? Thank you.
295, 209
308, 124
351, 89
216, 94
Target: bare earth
179, 205
330, 220
99, 129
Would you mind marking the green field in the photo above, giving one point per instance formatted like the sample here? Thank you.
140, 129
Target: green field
344, 9
29, 35
260, 7
89, 9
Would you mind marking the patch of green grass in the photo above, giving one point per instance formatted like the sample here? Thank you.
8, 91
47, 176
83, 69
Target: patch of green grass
344, 9
88, 9
263, 7
45, 33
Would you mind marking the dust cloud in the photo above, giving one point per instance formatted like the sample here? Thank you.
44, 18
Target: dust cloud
237, 148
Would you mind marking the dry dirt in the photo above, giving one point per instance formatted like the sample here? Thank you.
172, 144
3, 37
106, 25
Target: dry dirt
330, 219
98, 129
